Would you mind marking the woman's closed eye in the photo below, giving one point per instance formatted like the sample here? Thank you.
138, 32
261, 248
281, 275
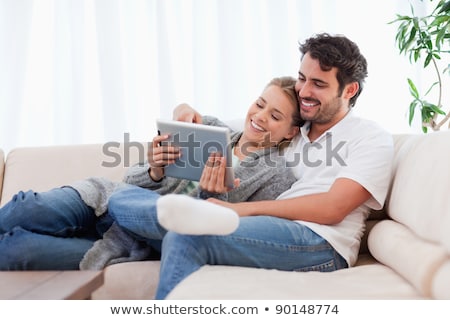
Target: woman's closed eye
276, 117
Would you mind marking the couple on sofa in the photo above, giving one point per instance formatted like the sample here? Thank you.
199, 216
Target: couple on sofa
335, 169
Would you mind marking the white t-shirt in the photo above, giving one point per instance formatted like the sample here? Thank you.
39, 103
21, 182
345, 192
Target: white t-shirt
356, 149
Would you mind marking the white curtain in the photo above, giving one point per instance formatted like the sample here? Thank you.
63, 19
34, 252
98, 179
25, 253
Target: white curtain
90, 71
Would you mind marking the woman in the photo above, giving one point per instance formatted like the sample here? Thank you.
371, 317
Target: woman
54, 229
261, 172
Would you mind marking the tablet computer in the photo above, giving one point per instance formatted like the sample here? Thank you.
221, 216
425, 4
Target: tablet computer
196, 143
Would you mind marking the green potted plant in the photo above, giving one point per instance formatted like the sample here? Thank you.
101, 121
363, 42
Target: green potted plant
426, 39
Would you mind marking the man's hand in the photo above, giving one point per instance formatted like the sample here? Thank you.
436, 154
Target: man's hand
184, 112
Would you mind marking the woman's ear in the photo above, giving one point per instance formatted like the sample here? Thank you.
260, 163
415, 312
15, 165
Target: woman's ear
292, 133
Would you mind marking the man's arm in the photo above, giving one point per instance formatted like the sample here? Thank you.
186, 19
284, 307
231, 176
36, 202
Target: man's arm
330, 207
184, 112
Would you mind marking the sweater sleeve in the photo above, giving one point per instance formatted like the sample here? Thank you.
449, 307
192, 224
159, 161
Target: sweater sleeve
95, 192
213, 121
138, 175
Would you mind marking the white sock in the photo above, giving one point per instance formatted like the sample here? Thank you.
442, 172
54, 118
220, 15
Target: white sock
187, 215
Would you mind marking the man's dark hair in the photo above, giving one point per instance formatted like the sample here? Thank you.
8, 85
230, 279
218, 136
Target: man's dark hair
341, 53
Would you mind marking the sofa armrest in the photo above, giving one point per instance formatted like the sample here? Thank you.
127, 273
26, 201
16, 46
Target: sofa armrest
414, 258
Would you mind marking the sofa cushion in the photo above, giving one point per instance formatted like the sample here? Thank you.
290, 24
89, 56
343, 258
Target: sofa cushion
415, 259
419, 193
373, 281
42, 168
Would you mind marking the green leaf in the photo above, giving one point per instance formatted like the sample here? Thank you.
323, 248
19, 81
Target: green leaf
431, 87
412, 109
413, 89
427, 60
436, 109
406, 43
445, 8
416, 55
427, 114
427, 42
439, 20
447, 69
415, 22
399, 18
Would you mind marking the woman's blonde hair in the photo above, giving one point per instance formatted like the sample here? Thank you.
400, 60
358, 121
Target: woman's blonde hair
287, 84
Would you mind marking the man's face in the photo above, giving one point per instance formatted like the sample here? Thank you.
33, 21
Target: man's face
318, 93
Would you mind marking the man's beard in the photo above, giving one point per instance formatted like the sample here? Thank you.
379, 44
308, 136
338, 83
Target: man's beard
325, 113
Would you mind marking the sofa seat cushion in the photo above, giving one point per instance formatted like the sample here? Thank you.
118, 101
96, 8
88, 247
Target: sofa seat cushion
371, 281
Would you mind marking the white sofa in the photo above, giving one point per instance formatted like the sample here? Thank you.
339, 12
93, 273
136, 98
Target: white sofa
406, 256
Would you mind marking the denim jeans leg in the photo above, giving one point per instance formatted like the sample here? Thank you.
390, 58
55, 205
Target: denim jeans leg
21, 249
260, 241
58, 212
47, 230
134, 209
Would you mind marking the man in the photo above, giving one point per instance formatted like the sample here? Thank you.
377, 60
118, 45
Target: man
342, 164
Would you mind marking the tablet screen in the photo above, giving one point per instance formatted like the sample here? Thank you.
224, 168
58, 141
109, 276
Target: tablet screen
196, 142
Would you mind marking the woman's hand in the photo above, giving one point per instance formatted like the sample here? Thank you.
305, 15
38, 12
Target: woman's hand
184, 112
213, 175
159, 156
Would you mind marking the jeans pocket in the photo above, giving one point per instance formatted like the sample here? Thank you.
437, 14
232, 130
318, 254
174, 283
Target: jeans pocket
327, 266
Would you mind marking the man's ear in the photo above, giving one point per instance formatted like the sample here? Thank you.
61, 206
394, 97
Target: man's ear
350, 90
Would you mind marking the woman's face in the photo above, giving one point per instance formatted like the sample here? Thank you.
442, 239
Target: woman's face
269, 119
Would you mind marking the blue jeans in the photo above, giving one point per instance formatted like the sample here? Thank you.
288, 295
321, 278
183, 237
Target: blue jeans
260, 242
134, 209
47, 231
